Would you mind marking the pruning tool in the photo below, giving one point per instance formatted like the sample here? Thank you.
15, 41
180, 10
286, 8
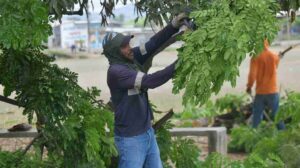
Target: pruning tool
287, 50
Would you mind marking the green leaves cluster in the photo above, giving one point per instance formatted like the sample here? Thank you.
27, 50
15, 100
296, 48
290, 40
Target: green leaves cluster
227, 31
244, 138
267, 143
60, 7
285, 145
289, 109
75, 131
231, 102
182, 153
218, 161
226, 104
192, 112
267, 152
17, 159
286, 5
157, 11
23, 23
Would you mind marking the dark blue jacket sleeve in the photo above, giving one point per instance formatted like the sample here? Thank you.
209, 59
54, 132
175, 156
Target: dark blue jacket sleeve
121, 77
143, 52
158, 78
125, 78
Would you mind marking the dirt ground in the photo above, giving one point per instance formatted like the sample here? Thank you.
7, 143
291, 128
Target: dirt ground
92, 72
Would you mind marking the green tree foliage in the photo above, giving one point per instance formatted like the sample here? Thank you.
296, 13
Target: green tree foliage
289, 109
58, 8
156, 11
227, 31
16, 159
216, 160
74, 130
231, 102
285, 145
192, 112
244, 138
286, 5
267, 143
182, 153
23, 23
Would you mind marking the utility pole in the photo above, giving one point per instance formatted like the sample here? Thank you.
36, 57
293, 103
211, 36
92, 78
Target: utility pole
288, 27
88, 28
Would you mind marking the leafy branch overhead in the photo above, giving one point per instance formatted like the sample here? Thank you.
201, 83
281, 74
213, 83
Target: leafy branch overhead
75, 131
227, 31
157, 11
212, 54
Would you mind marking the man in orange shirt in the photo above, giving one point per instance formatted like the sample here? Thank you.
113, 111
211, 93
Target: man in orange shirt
263, 71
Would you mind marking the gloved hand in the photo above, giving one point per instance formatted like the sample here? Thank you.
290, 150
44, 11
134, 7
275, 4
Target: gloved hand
178, 20
248, 90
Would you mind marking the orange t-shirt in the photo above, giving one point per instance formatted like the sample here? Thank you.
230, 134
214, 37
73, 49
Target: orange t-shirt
263, 71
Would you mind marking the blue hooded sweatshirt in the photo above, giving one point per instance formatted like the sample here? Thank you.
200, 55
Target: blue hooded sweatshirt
128, 83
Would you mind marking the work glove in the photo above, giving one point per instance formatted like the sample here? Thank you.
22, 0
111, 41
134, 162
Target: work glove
178, 20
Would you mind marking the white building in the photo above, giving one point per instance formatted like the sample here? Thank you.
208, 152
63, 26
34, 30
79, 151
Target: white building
71, 32
76, 32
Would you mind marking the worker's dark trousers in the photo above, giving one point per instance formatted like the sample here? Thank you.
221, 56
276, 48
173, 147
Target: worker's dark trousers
262, 101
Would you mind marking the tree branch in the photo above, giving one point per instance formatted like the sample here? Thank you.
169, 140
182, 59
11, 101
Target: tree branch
79, 12
9, 101
163, 120
31, 143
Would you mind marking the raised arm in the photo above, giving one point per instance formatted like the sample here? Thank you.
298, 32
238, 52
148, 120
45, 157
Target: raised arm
145, 51
158, 78
125, 78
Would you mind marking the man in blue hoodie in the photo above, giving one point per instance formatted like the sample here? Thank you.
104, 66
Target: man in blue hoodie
128, 82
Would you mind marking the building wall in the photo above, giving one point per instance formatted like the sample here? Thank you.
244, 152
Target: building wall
76, 32
73, 34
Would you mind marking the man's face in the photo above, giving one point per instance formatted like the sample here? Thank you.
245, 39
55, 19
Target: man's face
127, 52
